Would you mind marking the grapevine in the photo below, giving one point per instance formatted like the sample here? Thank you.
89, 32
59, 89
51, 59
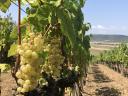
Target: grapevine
54, 53
117, 58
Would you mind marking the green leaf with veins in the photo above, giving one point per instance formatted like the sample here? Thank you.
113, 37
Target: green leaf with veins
66, 25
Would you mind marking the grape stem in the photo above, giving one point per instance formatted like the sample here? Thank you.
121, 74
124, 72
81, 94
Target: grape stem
47, 30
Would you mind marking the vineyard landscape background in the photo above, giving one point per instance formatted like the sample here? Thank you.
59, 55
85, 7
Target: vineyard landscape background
50, 51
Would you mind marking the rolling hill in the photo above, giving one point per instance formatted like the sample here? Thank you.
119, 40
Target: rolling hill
109, 38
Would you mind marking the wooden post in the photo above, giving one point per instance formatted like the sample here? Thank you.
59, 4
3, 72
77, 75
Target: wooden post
19, 38
19, 20
17, 63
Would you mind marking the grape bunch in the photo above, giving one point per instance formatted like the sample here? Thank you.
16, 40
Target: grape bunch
52, 65
29, 71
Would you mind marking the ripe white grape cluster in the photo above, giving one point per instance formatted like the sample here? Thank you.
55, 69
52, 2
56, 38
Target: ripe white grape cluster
54, 59
29, 71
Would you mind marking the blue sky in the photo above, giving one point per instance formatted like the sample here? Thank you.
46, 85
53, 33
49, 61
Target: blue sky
13, 9
105, 16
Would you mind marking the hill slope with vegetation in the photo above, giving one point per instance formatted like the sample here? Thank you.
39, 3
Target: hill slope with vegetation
109, 38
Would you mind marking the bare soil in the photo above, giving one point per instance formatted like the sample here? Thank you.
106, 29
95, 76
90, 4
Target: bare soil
101, 81
7, 84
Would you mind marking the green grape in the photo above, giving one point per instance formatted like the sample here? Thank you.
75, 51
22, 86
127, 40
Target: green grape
36, 41
77, 68
28, 53
24, 90
22, 63
26, 87
32, 35
24, 69
20, 81
24, 40
25, 76
29, 68
28, 82
19, 74
29, 71
19, 89
35, 55
24, 44
54, 59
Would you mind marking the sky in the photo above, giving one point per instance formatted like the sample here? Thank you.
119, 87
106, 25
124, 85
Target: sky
105, 16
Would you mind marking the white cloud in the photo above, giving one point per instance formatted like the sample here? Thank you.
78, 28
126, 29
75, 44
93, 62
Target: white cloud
111, 29
98, 27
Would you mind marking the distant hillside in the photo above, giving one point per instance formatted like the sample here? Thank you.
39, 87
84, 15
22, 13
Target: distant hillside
109, 38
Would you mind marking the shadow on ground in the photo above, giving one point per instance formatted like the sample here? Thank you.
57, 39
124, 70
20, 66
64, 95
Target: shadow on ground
99, 77
106, 91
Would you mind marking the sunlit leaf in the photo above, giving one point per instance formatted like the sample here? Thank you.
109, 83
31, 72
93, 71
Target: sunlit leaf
4, 5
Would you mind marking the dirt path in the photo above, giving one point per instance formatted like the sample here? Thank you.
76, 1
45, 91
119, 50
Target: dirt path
7, 83
103, 81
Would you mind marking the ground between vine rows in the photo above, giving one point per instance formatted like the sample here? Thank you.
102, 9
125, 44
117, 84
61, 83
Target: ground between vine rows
101, 81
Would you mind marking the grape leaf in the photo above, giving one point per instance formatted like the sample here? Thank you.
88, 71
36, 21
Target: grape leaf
4, 5
66, 25
82, 2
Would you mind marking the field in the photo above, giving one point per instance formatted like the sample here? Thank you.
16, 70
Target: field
97, 48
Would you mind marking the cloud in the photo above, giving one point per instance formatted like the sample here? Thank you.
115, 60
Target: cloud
110, 29
98, 27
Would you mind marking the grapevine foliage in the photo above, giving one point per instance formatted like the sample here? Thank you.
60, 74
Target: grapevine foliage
117, 59
4, 5
55, 50
7, 38
117, 55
